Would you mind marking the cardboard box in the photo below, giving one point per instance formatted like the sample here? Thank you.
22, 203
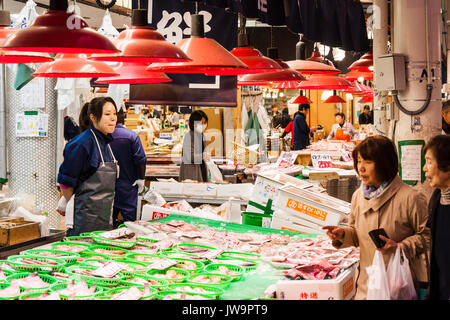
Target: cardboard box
206, 190
20, 232
318, 208
341, 288
167, 188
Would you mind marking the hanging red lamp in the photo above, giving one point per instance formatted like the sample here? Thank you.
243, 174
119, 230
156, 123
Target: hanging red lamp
143, 44
13, 56
357, 75
366, 99
287, 74
287, 85
57, 31
317, 57
364, 64
70, 65
325, 82
335, 98
207, 55
134, 73
301, 100
311, 67
356, 88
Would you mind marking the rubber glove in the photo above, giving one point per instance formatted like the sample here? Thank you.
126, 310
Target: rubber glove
62, 204
140, 184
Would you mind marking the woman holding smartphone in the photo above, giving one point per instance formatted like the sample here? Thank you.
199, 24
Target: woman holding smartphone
384, 201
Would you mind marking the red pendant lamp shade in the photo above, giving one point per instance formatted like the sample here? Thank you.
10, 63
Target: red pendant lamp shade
262, 79
134, 73
13, 56
317, 57
311, 67
334, 99
364, 64
356, 88
355, 75
207, 54
142, 44
255, 60
301, 100
57, 31
74, 66
325, 82
287, 85
366, 99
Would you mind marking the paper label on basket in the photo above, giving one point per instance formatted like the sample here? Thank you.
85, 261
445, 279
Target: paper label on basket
266, 222
175, 223
305, 209
109, 270
163, 264
321, 160
346, 155
211, 254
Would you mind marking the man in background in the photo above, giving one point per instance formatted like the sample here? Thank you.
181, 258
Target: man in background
365, 117
276, 116
300, 133
341, 130
151, 112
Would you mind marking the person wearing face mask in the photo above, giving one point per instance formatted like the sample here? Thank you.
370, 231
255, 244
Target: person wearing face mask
437, 173
87, 176
384, 201
193, 165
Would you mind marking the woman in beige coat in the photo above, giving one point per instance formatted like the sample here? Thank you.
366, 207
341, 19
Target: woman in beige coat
384, 201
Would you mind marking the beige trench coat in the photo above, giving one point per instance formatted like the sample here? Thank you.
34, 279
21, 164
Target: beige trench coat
402, 212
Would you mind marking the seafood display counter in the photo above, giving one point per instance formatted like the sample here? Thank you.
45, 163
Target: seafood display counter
179, 258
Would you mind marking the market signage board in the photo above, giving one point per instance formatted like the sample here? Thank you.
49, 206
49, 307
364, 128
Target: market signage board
321, 160
172, 18
31, 124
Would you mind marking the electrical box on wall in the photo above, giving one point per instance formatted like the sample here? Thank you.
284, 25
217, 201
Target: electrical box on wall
390, 72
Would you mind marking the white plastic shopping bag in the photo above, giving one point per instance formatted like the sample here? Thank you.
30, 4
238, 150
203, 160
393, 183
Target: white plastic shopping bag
401, 285
214, 173
377, 282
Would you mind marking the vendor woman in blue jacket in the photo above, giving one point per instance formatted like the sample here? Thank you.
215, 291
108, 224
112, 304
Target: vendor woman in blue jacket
128, 149
90, 170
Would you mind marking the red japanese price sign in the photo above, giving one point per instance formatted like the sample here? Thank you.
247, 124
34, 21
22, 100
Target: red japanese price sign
321, 160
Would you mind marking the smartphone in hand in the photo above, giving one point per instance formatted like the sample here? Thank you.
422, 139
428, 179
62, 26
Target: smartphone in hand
374, 235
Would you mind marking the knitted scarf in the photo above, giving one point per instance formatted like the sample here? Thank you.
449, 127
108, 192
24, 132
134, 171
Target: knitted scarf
370, 192
445, 196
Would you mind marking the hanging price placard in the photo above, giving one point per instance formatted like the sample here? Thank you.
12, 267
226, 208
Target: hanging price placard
321, 160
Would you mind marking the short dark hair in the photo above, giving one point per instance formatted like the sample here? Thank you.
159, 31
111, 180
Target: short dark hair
197, 115
303, 106
173, 109
366, 107
382, 151
274, 105
341, 114
446, 106
440, 145
121, 116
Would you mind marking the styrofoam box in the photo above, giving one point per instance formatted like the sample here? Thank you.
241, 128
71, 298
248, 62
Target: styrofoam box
234, 190
341, 288
300, 225
267, 184
317, 208
167, 188
200, 190
150, 212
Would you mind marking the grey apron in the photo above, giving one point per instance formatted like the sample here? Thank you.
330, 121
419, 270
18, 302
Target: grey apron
193, 171
94, 198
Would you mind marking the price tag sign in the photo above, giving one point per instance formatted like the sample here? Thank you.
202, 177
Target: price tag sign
109, 270
346, 155
287, 158
321, 160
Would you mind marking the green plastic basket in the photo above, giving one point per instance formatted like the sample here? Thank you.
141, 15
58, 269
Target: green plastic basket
241, 255
213, 292
224, 283
104, 282
62, 286
79, 239
42, 268
155, 273
61, 246
45, 277
4, 285
182, 261
246, 268
114, 291
24, 296
91, 262
144, 257
214, 268
187, 295
110, 251
254, 219
68, 257
145, 241
179, 247
6, 271
109, 242
140, 267
162, 282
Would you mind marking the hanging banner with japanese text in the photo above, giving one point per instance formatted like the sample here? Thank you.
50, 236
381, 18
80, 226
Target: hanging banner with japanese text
172, 19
